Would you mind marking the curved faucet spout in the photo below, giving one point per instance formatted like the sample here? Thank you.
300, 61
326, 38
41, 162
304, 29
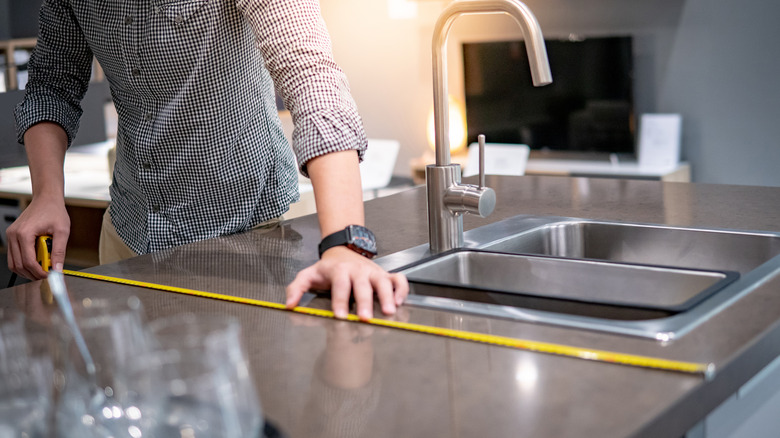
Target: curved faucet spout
537, 56
448, 199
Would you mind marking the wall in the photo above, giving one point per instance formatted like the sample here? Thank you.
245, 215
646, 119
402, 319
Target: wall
722, 77
388, 65
687, 61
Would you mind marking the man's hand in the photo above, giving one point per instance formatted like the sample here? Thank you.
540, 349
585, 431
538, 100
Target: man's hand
345, 272
40, 218
339, 197
45, 143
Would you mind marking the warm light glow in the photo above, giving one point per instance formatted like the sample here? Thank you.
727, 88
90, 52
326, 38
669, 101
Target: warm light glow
401, 9
457, 127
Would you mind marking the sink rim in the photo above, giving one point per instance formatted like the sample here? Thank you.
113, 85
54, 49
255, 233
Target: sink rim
662, 329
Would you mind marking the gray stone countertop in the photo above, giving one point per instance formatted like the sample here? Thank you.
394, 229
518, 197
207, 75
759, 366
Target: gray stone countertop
321, 377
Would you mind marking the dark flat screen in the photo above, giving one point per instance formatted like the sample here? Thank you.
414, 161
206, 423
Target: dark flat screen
587, 108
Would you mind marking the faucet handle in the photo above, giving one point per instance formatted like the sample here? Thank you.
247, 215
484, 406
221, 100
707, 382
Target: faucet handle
468, 198
481, 142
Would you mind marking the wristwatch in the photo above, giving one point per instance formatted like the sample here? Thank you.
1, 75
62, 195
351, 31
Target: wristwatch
357, 238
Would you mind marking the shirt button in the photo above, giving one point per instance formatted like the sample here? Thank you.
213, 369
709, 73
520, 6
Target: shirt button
148, 116
136, 72
128, 20
156, 208
178, 18
146, 166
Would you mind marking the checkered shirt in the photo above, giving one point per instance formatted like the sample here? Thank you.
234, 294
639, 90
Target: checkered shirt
200, 148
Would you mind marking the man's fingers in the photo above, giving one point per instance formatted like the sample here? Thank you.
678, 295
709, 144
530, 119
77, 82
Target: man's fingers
364, 297
400, 287
384, 292
59, 242
341, 288
15, 263
294, 293
303, 282
29, 260
356, 277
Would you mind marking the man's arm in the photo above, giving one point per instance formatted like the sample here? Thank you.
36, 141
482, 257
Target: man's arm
46, 143
327, 139
339, 198
47, 121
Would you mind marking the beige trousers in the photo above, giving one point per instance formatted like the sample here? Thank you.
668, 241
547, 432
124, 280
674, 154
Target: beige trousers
113, 249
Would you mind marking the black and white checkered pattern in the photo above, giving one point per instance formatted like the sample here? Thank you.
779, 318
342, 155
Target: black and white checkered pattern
200, 148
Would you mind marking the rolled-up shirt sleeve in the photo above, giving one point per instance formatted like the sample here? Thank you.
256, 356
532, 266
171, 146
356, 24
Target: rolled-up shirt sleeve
60, 68
297, 51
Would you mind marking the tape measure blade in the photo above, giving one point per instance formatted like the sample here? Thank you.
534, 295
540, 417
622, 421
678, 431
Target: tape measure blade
705, 369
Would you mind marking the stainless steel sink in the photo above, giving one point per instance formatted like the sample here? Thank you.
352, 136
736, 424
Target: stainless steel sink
641, 275
587, 281
638, 243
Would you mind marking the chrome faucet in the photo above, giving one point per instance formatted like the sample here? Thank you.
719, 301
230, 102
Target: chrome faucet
448, 199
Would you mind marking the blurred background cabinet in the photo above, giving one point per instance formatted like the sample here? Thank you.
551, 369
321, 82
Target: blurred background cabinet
18, 30
14, 54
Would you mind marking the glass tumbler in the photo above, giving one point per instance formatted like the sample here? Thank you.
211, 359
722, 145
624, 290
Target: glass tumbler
25, 380
210, 392
121, 396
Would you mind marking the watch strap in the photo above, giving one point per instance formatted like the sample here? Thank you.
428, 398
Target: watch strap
336, 239
350, 237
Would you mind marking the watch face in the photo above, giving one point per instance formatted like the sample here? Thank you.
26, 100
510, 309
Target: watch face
362, 239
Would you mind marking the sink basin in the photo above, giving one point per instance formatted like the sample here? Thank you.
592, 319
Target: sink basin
647, 244
636, 279
509, 276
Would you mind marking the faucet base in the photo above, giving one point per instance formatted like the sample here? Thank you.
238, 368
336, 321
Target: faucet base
445, 228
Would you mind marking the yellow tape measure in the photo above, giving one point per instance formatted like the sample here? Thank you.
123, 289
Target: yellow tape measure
545, 347
704, 369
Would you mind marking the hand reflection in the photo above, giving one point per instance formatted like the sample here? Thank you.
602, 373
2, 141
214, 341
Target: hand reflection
348, 359
346, 386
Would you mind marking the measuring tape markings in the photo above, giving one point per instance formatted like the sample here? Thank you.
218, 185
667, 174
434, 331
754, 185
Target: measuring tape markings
707, 370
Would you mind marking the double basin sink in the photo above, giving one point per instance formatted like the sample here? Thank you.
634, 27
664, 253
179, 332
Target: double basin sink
645, 280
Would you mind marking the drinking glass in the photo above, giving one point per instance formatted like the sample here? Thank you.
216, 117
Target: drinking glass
25, 380
120, 395
209, 389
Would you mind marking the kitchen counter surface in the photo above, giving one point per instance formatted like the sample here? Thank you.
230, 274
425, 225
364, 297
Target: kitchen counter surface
320, 377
